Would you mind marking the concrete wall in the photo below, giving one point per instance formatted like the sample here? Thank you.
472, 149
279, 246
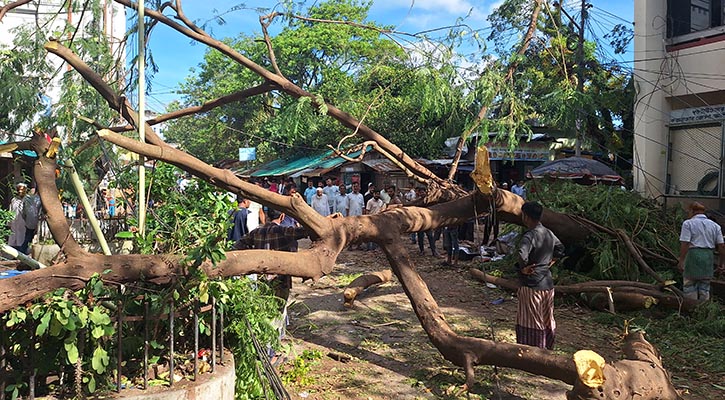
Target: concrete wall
681, 76
219, 386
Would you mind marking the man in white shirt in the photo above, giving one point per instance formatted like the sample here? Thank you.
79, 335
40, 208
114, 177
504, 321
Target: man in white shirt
255, 216
355, 201
374, 206
698, 238
331, 191
320, 203
340, 203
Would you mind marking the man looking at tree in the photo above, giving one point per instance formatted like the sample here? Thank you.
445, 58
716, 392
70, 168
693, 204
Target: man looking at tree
340, 204
31, 216
310, 191
535, 325
239, 221
320, 203
331, 191
698, 238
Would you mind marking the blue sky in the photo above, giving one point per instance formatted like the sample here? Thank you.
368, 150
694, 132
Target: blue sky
175, 56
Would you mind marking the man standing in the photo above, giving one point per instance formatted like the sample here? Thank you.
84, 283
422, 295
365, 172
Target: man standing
535, 325
394, 199
310, 191
255, 216
374, 206
273, 236
340, 203
239, 221
698, 238
17, 225
355, 202
331, 191
519, 189
320, 203
31, 216
369, 194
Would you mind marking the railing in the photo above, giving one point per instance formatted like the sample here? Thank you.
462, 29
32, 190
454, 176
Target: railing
81, 228
193, 311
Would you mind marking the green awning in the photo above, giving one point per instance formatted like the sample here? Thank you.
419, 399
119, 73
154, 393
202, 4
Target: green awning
286, 166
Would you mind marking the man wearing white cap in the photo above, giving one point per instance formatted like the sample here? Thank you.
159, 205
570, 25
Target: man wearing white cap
320, 204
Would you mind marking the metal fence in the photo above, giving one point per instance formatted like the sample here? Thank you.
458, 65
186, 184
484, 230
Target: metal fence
81, 228
176, 339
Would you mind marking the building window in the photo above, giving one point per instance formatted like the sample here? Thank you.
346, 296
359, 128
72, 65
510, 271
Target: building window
686, 17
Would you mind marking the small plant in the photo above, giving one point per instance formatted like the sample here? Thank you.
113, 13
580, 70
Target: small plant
299, 372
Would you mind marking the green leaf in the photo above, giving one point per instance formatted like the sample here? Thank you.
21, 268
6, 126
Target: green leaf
43, 325
98, 317
99, 360
92, 385
72, 352
124, 235
97, 332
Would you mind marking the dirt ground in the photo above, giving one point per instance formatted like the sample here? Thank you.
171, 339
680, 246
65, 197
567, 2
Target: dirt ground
378, 350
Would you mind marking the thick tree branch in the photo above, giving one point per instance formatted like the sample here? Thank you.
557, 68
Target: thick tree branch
125, 269
207, 106
116, 102
7, 7
44, 173
295, 91
466, 352
225, 179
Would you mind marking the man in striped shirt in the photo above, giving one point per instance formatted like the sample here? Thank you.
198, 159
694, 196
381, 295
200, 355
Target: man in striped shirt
535, 325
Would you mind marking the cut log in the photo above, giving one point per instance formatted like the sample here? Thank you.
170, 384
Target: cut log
640, 376
626, 295
363, 282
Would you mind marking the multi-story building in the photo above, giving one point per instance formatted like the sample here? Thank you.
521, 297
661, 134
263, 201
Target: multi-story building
679, 48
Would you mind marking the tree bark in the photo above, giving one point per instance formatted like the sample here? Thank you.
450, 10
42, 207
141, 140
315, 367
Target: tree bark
640, 376
359, 284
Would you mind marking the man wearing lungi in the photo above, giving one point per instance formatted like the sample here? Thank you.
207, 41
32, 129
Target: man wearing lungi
698, 238
535, 325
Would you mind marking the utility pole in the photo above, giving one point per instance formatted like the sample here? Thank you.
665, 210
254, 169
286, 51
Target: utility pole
580, 121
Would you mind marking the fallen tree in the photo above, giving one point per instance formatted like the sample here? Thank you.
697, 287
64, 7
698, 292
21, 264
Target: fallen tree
445, 205
607, 295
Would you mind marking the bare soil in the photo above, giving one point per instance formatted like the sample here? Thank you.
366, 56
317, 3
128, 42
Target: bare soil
378, 350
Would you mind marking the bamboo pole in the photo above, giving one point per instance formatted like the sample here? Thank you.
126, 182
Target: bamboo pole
141, 118
22, 257
78, 185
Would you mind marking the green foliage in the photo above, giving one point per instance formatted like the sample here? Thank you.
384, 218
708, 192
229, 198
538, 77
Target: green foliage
253, 302
299, 372
643, 220
356, 69
5, 217
544, 84
66, 330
